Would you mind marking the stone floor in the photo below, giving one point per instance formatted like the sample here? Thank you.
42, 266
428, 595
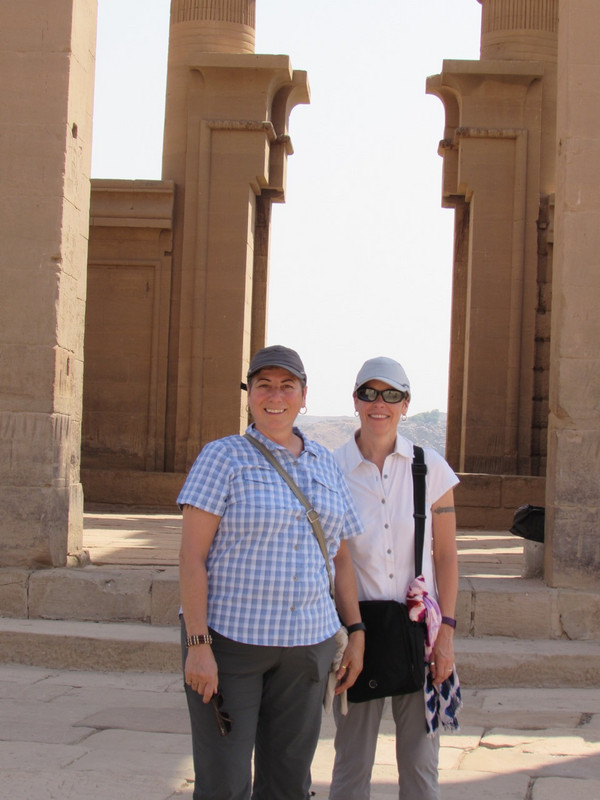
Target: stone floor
125, 736
108, 735
137, 539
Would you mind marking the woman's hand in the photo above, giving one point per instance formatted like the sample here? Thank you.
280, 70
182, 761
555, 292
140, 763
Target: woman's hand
352, 662
201, 671
441, 663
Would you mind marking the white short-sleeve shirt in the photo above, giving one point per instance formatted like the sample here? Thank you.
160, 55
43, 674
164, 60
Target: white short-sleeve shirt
383, 556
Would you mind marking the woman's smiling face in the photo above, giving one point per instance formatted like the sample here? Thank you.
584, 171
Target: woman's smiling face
378, 416
275, 398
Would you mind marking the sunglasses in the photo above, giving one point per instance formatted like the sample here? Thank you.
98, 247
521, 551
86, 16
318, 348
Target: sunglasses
368, 395
224, 721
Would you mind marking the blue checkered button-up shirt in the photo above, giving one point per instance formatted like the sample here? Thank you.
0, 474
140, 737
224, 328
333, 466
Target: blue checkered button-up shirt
267, 578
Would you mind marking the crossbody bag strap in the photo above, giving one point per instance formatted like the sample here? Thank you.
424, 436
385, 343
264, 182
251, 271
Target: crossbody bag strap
419, 471
311, 513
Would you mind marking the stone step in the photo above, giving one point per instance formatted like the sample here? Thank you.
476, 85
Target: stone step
116, 647
487, 606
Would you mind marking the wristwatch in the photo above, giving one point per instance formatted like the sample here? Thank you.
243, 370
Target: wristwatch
357, 626
449, 621
196, 639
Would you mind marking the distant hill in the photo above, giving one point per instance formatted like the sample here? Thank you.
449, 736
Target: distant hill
427, 429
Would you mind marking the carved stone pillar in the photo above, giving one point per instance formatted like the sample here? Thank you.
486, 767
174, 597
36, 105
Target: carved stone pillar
225, 147
47, 75
499, 158
572, 551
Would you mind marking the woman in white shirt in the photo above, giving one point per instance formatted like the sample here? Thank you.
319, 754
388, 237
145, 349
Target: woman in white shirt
376, 463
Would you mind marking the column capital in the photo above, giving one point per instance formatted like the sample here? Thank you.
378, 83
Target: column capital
519, 29
217, 25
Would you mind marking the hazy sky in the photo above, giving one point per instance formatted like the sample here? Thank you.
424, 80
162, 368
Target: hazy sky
361, 252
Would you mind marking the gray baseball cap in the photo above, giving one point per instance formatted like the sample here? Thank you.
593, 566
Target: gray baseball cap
277, 356
383, 369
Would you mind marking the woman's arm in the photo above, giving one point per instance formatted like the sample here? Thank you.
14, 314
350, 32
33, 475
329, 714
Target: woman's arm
198, 531
346, 598
445, 559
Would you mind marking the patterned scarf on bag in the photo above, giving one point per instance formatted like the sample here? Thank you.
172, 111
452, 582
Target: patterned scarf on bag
442, 701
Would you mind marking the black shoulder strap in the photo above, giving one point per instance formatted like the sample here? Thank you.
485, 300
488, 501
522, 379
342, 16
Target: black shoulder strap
419, 471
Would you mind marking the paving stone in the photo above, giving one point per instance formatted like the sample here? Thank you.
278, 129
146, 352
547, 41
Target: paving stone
40, 691
140, 740
523, 719
37, 756
93, 699
141, 681
16, 673
36, 722
508, 760
450, 758
118, 762
465, 784
153, 720
73, 785
565, 789
467, 738
72, 734
541, 699
556, 742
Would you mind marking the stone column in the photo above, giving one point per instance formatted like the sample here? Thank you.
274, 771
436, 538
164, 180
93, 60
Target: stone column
47, 76
498, 151
225, 147
572, 552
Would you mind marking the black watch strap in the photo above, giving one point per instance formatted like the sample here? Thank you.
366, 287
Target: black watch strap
358, 626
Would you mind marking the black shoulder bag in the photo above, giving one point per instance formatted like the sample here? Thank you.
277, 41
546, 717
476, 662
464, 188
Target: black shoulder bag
394, 660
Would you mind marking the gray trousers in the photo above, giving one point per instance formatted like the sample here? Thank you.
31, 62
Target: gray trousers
356, 742
274, 696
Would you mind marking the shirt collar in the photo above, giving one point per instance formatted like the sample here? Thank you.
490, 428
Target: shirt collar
308, 443
402, 447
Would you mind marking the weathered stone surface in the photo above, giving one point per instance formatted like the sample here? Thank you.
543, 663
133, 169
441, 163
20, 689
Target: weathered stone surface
13, 592
98, 731
45, 519
464, 609
99, 646
91, 594
528, 613
561, 788
72, 785
521, 662
572, 558
150, 742
579, 614
165, 598
46, 149
464, 784
152, 720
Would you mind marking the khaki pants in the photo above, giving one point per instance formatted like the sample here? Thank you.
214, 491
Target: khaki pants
356, 742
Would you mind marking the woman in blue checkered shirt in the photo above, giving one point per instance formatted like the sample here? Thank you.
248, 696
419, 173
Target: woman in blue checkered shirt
258, 619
